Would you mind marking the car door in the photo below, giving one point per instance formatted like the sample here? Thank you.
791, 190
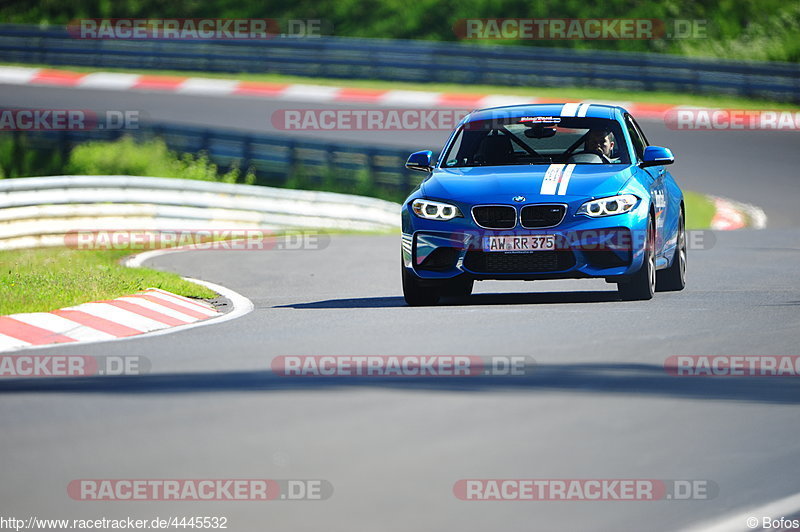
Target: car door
672, 197
655, 178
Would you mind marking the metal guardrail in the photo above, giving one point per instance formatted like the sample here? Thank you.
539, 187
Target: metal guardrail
274, 159
40, 211
409, 60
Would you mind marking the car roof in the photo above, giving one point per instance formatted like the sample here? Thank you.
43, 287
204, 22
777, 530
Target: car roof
591, 110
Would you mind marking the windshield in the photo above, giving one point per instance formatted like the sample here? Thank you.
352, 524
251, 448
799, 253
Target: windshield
537, 140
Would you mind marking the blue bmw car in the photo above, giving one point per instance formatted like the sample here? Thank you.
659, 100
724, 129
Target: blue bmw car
551, 191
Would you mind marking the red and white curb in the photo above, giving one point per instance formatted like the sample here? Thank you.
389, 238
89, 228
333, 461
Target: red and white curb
148, 313
285, 91
731, 215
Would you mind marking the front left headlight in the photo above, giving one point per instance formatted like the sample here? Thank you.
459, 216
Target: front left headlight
609, 206
434, 210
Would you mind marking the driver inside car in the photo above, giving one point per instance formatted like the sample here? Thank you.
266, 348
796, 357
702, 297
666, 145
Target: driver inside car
597, 148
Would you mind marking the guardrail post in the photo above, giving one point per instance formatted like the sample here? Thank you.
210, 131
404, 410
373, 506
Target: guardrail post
372, 167
293, 162
247, 153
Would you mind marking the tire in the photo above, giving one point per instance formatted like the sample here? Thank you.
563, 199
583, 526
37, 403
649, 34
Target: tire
417, 295
673, 279
642, 285
461, 287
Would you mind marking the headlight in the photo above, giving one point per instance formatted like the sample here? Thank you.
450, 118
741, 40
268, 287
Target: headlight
433, 210
609, 206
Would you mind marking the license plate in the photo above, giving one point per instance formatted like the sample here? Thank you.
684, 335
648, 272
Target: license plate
519, 243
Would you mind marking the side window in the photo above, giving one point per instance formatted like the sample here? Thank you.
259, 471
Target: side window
453, 152
636, 138
639, 130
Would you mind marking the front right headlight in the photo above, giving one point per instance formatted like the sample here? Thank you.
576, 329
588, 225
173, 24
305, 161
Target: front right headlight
434, 210
609, 206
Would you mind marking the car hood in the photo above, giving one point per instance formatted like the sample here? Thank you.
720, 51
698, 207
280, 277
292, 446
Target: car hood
499, 184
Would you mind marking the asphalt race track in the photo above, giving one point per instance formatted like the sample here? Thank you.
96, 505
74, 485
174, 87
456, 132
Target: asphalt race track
598, 404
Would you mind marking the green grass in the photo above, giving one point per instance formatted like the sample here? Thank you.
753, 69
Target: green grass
556, 94
40, 280
124, 156
699, 210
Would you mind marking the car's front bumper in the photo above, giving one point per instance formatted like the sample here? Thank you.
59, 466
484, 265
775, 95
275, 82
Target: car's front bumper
611, 247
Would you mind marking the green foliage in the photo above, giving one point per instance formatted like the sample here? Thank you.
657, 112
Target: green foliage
154, 159
19, 158
328, 179
740, 29
150, 158
699, 210
767, 39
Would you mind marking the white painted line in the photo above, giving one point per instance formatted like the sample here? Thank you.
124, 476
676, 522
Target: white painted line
137, 260
315, 93
208, 86
626, 105
144, 303
60, 325
499, 100
108, 80
756, 216
17, 75
582, 109
775, 510
410, 98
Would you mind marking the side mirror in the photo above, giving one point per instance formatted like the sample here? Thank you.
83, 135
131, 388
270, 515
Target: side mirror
656, 156
420, 161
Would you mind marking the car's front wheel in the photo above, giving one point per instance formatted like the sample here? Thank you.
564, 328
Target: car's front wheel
642, 284
415, 293
673, 278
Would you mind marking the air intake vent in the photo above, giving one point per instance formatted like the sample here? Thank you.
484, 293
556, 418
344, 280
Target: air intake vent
495, 216
538, 216
534, 262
